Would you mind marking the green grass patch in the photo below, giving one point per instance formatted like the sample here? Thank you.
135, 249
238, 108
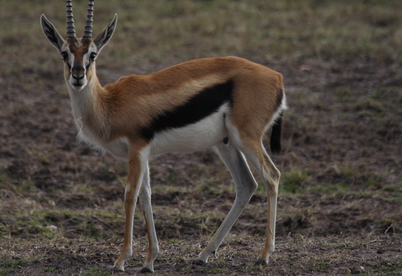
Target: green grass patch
291, 182
344, 94
320, 265
5, 272
216, 270
339, 245
336, 190
372, 181
49, 269
370, 105
48, 224
254, 268
4, 182
11, 266
19, 187
348, 172
173, 241
97, 271
394, 268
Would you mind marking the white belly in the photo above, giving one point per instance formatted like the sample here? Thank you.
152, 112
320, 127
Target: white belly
199, 136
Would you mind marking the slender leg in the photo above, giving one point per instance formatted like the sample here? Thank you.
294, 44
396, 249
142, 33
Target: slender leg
134, 179
245, 185
145, 202
259, 158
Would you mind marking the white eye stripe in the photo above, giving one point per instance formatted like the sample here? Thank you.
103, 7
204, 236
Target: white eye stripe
86, 59
90, 55
70, 57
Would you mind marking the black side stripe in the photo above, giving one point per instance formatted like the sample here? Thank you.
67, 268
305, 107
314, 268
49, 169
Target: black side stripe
197, 108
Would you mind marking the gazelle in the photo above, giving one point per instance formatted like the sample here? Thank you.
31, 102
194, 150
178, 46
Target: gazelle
225, 103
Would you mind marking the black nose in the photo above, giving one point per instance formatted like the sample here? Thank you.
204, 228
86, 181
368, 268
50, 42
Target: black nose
78, 70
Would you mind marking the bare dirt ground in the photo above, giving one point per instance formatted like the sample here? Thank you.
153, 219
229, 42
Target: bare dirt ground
339, 210
340, 203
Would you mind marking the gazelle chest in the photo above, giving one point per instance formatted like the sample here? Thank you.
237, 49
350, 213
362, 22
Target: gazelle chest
118, 148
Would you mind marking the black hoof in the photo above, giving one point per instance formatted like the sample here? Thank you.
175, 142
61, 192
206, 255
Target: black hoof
260, 262
199, 262
117, 269
146, 270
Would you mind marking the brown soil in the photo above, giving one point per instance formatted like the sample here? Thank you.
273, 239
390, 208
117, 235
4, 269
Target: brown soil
343, 131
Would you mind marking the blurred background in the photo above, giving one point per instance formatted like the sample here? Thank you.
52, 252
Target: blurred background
61, 203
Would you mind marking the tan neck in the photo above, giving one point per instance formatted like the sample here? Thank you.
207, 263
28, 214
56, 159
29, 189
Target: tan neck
89, 107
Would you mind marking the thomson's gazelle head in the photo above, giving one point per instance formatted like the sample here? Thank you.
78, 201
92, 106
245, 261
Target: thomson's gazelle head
79, 54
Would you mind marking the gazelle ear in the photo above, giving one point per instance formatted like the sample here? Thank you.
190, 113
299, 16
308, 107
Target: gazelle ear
51, 33
102, 39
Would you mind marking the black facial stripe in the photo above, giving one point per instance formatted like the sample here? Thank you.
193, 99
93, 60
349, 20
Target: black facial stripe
197, 108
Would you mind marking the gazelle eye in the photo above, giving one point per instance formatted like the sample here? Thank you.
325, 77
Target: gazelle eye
92, 56
64, 55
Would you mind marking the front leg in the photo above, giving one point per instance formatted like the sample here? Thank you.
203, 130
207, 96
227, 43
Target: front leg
136, 169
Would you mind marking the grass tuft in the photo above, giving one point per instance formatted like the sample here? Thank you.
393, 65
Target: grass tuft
291, 182
370, 104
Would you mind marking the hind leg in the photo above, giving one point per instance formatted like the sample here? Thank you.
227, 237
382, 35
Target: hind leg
145, 202
245, 185
249, 141
256, 154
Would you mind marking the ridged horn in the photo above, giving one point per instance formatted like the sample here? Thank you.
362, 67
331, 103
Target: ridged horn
70, 19
90, 19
